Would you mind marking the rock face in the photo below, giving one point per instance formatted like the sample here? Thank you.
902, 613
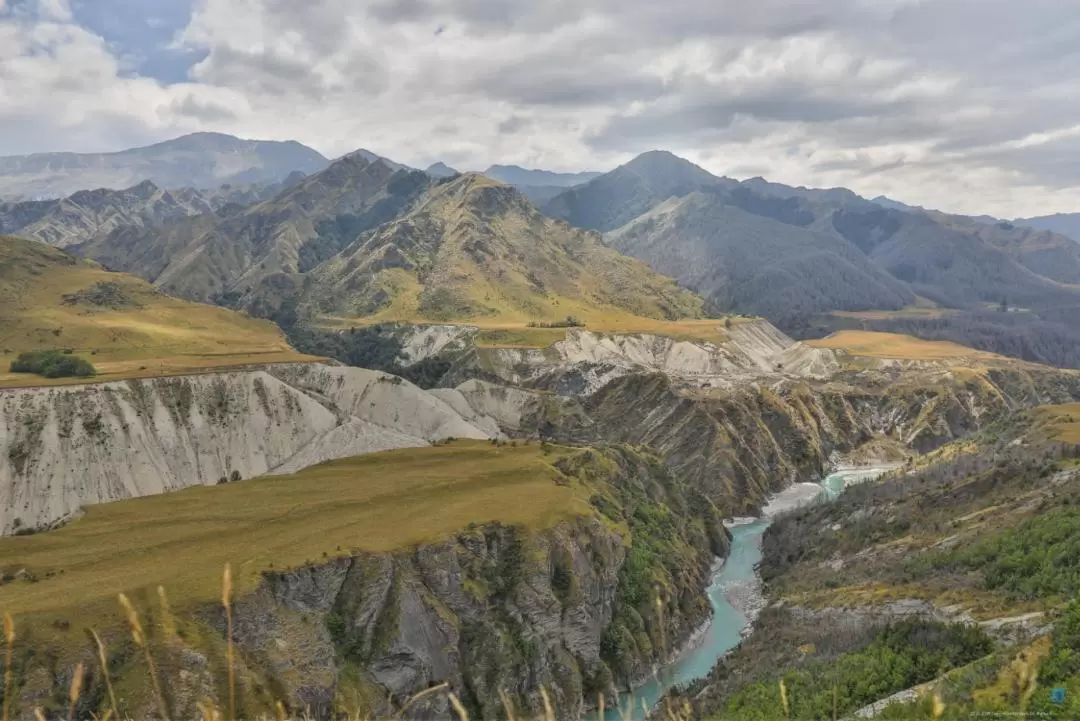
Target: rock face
585, 361
64, 447
478, 611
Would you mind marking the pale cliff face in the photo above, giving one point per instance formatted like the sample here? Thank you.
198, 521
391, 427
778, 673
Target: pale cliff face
62, 448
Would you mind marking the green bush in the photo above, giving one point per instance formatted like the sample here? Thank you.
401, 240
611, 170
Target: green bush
903, 655
53, 364
1038, 559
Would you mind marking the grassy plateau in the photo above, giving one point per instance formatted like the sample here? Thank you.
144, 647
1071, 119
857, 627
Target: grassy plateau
373, 503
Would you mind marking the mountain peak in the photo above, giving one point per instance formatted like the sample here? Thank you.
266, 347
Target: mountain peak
616, 198
665, 161
145, 189
441, 170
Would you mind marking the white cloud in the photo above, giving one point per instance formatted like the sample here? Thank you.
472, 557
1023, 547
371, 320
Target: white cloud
965, 104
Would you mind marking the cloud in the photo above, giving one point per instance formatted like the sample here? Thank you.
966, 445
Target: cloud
970, 105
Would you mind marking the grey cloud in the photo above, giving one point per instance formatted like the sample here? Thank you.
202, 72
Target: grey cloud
269, 72
202, 110
706, 113
825, 90
512, 125
537, 83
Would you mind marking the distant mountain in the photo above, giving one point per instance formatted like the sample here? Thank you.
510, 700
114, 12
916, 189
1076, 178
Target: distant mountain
1065, 223
788, 253
1043, 252
516, 175
616, 198
88, 214
756, 264
477, 249
200, 160
440, 170
890, 204
372, 157
229, 254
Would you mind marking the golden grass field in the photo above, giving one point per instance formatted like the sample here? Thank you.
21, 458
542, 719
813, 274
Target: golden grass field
375, 503
153, 335
893, 345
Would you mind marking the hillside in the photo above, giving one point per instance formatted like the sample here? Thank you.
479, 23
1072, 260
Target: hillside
756, 264
200, 160
475, 249
50, 300
227, 254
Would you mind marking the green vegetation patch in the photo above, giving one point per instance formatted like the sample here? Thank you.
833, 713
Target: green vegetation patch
53, 364
902, 656
1039, 559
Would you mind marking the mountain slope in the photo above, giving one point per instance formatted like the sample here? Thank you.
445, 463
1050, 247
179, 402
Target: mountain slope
230, 253
475, 249
1043, 252
200, 160
788, 253
954, 264
89, 214
616, 198
756, 264
51, 300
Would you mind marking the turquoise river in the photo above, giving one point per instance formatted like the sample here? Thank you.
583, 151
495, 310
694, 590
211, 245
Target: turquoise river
735, 579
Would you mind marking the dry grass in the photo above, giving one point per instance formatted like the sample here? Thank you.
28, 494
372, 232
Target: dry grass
1019, 674
1056, 423
148, 335
374, 503
904, 347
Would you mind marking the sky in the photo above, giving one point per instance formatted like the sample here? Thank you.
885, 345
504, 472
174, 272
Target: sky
970, 106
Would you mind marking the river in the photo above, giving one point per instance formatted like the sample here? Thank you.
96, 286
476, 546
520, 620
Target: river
734, 594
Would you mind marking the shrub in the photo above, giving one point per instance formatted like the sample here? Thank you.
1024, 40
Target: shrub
53, 364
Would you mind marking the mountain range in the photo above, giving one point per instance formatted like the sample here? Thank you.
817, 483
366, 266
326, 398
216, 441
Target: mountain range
787, 253
368, 236
199, 160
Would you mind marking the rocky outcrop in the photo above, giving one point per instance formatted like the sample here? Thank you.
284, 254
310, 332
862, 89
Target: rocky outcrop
745, 443
65, 447
586, 361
